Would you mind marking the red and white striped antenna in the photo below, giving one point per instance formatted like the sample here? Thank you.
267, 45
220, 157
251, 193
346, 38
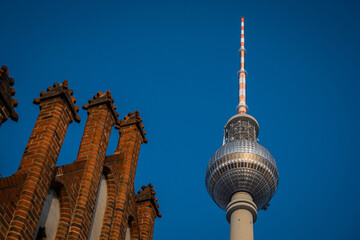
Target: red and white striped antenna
242, 107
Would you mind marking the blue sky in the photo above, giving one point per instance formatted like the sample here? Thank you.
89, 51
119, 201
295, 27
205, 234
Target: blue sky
176, 62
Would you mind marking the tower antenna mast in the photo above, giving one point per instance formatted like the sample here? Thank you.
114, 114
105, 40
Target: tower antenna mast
242, 107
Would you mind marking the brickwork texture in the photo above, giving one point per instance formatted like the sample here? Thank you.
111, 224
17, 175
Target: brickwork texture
23, 194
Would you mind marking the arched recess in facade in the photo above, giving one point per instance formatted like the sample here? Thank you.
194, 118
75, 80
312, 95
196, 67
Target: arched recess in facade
54, 219
110, 203
98, 214
64, 220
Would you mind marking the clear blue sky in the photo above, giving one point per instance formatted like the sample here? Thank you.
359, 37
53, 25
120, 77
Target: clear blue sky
176, 62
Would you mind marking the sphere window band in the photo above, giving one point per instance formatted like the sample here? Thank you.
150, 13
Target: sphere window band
242, 166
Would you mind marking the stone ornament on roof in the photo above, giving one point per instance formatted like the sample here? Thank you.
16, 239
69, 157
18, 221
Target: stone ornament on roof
147, 193
130, 119
103, 98
6, 93
63, 91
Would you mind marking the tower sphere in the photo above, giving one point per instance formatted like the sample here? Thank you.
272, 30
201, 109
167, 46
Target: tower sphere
242, 165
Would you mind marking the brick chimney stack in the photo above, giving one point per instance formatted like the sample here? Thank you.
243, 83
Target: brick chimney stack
131, 137
57, 111
147, 211
101, 118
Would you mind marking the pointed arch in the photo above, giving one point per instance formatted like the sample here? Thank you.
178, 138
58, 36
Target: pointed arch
55, 216
110, 203
65, 215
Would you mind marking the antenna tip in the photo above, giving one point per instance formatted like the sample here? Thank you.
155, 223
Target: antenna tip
242, 18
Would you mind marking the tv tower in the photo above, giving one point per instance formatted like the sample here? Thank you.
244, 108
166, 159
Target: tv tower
241, 176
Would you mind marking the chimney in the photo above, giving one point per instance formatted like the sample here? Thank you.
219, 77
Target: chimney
147, 211
101, 118
57, 111
131, 137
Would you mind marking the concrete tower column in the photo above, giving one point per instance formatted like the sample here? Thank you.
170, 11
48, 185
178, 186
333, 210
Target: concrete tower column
241, 214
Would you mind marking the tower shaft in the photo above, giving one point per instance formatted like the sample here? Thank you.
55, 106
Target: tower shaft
242, 213
241, 226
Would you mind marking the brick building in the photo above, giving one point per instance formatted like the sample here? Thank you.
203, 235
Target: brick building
91, 198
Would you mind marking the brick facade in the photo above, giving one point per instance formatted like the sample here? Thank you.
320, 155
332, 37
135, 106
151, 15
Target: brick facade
22, 195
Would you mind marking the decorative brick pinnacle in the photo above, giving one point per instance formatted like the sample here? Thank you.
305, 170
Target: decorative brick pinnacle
6, 92
63, 91
148, 194
103, 98
133, 118
4, 70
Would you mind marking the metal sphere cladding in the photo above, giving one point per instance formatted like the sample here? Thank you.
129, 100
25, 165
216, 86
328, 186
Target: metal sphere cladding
242, 165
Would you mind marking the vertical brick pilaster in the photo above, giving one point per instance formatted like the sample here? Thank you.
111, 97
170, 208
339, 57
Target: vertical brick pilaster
7, 104
147, 211
101, 118
57, 111
10, 190
131, 137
